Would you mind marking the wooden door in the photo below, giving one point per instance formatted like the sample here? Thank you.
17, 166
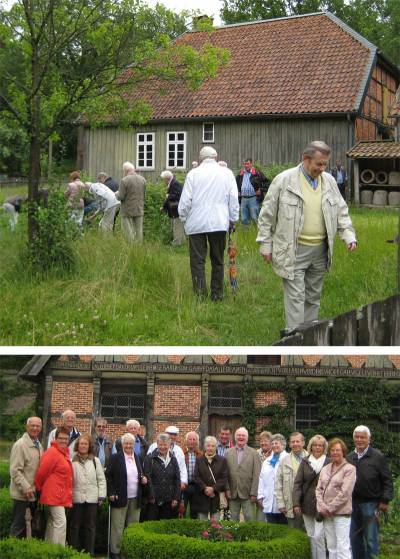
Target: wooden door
218, 421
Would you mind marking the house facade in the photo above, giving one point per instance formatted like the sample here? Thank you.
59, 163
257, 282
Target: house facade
289, 81
205, 392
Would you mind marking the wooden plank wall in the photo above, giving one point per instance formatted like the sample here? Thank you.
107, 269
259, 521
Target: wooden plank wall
267, 141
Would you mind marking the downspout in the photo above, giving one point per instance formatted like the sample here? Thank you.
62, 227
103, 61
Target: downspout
350, 144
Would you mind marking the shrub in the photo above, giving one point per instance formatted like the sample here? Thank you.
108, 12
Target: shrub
52, 248
5, 512
13, 548
156, 225
4, 474
163, 540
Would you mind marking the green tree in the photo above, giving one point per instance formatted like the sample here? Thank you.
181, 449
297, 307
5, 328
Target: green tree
63, 58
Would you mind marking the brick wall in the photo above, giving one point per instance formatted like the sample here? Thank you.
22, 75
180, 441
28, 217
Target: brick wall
83, 425
77, 396
220, 359
183, 426
311, 360
177, 400
356, 361
395, 359
268, 397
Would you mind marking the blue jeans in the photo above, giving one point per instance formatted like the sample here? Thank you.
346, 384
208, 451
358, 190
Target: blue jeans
364, 531
249, 209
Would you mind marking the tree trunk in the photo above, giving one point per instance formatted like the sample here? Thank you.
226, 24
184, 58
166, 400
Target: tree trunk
33, 185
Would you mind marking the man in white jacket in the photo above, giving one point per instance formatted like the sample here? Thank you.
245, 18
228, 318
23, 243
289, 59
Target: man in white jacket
208, 207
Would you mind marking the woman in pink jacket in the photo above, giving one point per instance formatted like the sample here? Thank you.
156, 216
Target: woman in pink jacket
334, 500
54, 481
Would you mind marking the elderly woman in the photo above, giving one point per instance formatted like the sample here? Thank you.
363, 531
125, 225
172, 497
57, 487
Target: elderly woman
124, 487
73, 194
304, 500
170, 207
164, 490
54, 481
89, 491
266, 487
211, 477
264, 452
334, 500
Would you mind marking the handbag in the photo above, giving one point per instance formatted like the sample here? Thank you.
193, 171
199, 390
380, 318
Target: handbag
39, 521
223, 501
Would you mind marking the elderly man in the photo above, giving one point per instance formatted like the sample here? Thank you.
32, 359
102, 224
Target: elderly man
208, 207
102, 444
68, 419
191, 453
285, 477
372, 493
141, 446
243, 474
298, 222
170, 207
108, 201
131, 194
108, 181
172, 431
25, 455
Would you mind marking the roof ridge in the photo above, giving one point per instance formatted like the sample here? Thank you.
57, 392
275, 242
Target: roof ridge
256, 22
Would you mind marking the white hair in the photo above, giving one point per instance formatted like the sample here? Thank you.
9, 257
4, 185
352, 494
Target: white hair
242, 429
128, 437
66, 412
222, 163
210, 439
101, 174
166, 175
132, 422
362, 429
207, 152
192, 433
31, 418
128, 166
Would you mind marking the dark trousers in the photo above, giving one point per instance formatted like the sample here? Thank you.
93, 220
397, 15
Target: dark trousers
198, 254
83, 520
18, 524
188, 498
364, 530
161, 512
275, 518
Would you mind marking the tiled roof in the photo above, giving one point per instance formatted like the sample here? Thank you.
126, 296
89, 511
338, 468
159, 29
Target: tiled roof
381, 149
306, 64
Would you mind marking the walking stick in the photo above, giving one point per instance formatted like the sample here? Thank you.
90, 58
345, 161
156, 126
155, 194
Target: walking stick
109, 531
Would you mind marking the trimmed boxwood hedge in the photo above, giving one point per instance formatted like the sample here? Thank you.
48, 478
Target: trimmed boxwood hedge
13, 548
181, 539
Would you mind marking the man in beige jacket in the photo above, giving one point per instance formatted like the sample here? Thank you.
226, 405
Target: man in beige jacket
131, 194
24, 461
300, 217
285, 477
243, 474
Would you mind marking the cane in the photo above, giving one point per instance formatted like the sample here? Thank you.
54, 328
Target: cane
109, 531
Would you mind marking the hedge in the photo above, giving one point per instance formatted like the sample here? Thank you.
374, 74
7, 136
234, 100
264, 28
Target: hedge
13, 548
164, 539
6, 515
4, 474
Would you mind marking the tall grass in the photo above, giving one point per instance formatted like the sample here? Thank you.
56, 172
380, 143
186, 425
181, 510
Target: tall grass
121, 294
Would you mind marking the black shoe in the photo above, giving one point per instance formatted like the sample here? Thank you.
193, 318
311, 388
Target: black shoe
288, 332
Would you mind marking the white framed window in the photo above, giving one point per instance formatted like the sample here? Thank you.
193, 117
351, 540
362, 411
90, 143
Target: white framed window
176, 150
208, 132
145, 150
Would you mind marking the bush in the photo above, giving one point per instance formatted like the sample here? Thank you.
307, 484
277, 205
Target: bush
52, 248
390, 531
157, 225
5, 512
163, 540
13, 548
4, 474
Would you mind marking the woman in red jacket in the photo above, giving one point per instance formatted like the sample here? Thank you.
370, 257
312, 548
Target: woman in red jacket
54, 482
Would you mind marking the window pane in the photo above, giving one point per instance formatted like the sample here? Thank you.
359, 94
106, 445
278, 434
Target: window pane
171, 136
149, 137
181, 136
141, 148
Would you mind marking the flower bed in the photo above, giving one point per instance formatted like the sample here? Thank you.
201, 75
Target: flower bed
181, 539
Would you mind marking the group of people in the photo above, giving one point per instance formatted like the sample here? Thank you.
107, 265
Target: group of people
334, 495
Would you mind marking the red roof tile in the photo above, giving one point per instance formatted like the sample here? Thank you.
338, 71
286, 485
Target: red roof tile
380, 149
307, 64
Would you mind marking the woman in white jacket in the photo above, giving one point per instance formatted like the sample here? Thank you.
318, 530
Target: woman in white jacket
89, 491
266, 486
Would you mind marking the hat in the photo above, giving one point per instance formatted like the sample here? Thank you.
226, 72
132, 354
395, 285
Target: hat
207, 151
172, 430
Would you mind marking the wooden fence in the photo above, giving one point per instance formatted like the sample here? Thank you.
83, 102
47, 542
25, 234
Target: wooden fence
377, 324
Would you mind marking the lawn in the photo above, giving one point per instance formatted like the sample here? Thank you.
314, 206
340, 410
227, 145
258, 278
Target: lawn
141, 295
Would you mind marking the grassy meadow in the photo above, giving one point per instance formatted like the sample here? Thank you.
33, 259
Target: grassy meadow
120, 294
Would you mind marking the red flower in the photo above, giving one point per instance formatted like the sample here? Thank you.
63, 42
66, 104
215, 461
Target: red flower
205, 534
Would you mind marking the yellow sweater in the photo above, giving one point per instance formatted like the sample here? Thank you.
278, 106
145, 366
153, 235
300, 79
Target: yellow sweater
314, 229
